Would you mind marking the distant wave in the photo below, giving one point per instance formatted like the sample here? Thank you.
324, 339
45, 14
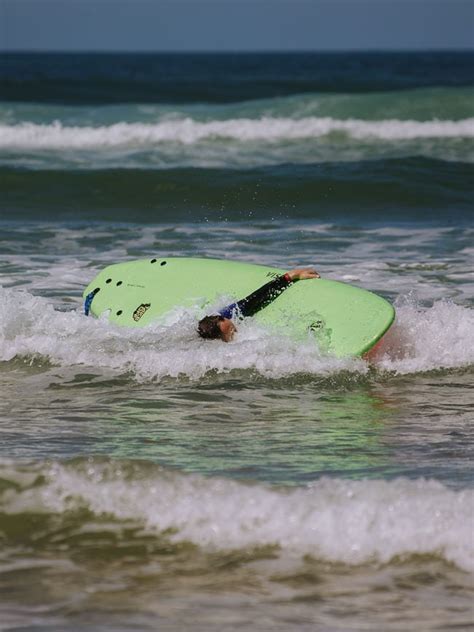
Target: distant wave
240, 142
335, 520
420, 105
188, 131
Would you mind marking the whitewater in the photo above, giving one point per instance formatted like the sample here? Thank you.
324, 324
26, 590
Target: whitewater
422, 339
187, 131
350, 522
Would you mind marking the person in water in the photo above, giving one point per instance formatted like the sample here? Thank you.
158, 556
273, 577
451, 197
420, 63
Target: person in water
221, 326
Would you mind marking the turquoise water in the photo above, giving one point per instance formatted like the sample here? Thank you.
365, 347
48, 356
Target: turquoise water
153, 480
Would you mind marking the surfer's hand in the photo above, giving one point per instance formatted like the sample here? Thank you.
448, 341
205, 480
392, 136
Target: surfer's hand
303, 273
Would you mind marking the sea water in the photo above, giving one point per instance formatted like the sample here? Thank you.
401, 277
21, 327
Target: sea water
151, 480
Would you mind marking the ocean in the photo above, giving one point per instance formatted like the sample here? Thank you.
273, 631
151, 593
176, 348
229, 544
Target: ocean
152, 480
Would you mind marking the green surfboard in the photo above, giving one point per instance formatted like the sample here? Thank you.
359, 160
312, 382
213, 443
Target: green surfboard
341, 319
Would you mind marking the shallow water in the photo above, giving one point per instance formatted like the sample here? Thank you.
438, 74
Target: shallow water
331, 487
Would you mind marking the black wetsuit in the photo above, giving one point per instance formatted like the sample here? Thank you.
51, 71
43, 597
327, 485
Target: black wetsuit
259, 299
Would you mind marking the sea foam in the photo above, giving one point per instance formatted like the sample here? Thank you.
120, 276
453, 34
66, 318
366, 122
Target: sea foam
188, 131
336, 520
422, 339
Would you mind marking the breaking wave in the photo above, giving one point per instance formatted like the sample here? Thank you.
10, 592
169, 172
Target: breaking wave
422, 339
341, 521
188, 131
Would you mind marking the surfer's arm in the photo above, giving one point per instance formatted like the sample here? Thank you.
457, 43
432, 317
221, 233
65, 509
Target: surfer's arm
259, 299
262, 297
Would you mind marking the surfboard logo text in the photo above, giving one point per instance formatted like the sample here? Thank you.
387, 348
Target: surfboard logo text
141, 309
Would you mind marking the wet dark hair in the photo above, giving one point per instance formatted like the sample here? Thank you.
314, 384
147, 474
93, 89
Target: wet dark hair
208, 327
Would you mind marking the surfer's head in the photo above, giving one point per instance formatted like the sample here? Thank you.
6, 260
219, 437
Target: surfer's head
216, 327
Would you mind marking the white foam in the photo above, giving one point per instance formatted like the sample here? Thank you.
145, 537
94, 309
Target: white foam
30, 327
188, 131
352, 522
422, 339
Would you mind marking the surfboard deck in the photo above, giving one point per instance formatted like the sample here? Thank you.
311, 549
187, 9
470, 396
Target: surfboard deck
342, 319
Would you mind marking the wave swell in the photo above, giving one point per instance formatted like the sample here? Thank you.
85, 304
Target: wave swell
423, 339
336, 520
189, 131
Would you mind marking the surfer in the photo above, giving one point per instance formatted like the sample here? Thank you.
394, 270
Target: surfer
221, 326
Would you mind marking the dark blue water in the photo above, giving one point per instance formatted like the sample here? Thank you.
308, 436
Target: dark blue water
81, 78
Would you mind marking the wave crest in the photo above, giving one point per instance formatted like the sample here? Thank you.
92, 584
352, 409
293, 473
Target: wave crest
188, 131
336, 520
422, 339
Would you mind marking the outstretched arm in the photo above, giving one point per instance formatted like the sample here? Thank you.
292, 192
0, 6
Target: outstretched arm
262, 297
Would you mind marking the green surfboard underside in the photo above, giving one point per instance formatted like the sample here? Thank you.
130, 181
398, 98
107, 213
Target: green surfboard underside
343, 320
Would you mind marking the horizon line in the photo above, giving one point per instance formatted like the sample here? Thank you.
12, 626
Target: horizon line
269, 51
